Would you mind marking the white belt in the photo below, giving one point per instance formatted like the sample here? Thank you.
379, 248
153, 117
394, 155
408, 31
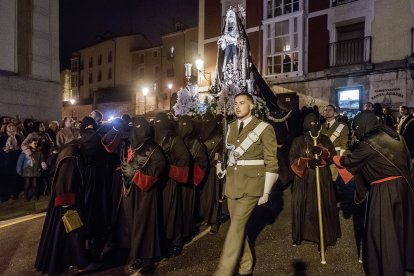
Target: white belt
248, 163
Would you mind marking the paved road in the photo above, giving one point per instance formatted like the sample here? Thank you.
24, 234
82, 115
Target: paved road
274, 253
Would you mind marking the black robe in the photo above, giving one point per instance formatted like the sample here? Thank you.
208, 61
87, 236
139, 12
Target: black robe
57, 249
76, 184
143, 206
388, 247
210, 191
198, 170
179, 163
305, 224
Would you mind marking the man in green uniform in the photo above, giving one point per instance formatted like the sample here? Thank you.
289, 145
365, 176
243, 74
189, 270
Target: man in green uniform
251, 172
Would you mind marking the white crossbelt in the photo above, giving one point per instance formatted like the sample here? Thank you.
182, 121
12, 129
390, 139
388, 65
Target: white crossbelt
337, 132
252, 137
248, 163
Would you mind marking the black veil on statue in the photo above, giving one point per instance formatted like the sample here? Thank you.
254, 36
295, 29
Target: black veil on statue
262, 90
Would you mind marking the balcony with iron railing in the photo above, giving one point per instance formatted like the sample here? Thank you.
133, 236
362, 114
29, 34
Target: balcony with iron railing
349, 52
341, 2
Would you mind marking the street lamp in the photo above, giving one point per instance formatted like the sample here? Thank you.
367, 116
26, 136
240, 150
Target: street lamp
72, 101
170, 87
145, 93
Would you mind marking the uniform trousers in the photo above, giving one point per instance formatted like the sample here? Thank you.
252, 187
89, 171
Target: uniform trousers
236, 252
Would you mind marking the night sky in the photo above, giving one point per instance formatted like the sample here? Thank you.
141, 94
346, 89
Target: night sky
82, 21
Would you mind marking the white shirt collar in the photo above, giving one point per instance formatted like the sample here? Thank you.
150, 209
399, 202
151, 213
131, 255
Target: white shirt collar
245, 121
331, 122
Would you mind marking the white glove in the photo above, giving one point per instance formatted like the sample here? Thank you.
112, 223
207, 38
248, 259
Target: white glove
44, 165
270, 180
220, 173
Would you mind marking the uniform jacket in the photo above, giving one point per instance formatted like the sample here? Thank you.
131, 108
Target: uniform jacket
249, 180
342, 140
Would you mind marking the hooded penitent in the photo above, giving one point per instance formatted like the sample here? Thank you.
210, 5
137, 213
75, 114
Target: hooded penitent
366, 124
311, 124
208, 126
140, 132
185, 126
163, 127
87, 122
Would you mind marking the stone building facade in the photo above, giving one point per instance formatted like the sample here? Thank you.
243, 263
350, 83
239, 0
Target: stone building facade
344, 52
29, 59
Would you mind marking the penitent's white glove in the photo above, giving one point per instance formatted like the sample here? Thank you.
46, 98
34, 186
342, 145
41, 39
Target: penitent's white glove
270, 180
44, 165
219, 171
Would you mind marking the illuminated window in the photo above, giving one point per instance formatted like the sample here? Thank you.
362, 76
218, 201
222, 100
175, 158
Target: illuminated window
283, 46
276, 8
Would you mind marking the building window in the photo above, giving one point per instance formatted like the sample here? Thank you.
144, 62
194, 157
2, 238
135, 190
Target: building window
74, 80
74, 64
99, 75
141, 72
81, 64
110, 74
90, 62
171, 53
155, 86
170, 71
279, 7
90, 78
110, 56
81, 80
100, 59
282, 46
142, 58
155, 54
156, 69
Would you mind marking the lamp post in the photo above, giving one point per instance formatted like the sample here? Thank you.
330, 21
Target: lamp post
170, 88
72, 102
145, 93
200, 68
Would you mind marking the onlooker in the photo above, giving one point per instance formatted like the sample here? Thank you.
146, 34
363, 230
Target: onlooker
368, 106
389, 119
10, 150
404, 118
67, 133
30, 168
377, 109
53, 130
97, 116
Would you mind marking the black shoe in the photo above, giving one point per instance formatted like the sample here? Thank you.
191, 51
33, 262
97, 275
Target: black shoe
147, 269
249, 274
176, 250
224, 218
137, 265
296, 243
214, 229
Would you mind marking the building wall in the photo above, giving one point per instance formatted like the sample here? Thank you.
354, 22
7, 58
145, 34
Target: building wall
149, 62
185, 45
29, 59
121, 64
391, 34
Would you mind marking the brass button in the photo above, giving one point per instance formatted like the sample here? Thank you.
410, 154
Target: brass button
237, 141
235, 168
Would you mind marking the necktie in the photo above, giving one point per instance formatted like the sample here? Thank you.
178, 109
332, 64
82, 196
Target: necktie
327, 126
241, 127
